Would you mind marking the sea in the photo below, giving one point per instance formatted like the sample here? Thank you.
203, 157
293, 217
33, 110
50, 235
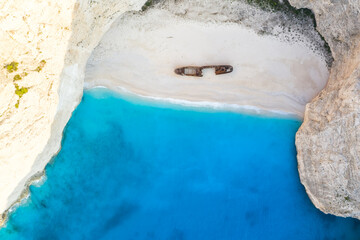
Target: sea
133, 168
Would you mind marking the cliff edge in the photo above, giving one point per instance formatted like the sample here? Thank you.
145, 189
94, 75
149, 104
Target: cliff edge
328, 141
44, 48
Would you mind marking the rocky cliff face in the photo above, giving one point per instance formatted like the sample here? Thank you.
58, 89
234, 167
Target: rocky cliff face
44, 48
328, 142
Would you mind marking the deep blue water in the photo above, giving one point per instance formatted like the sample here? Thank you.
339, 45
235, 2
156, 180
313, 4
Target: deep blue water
133, 170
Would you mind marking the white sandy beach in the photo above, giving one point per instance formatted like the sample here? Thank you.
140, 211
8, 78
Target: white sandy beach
140, 52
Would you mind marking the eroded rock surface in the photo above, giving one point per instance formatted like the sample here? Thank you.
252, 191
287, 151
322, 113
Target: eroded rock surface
44, 47
328, 142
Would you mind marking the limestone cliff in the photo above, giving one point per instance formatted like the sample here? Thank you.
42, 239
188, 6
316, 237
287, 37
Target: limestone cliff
44, 48
328, 142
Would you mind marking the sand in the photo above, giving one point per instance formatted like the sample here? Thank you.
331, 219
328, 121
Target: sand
140, 52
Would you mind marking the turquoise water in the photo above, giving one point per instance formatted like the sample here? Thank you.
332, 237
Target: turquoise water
133, 170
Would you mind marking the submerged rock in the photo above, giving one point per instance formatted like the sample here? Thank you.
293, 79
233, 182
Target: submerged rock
328, 140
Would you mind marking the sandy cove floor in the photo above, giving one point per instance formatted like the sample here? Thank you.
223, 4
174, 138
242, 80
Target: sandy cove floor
140, 52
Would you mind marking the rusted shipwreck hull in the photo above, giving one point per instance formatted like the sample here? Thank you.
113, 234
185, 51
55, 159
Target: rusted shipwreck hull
197, 71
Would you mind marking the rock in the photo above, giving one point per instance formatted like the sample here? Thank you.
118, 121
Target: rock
328, 142
50, 43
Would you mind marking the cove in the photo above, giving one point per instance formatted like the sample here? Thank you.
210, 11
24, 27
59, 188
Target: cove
131, 169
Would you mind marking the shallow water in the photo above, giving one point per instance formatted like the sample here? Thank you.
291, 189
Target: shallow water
136, 170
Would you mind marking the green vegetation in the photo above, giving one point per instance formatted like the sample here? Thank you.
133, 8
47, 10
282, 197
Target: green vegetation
17, 77
20, 92
347, 198
41, 65
147, 5
266, 4
12, 67
283, 6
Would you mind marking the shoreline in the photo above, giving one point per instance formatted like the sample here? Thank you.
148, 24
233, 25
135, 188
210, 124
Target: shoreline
268, 74
197, 105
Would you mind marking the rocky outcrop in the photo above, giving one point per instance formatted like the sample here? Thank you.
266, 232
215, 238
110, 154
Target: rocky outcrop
328, 142
44, 48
